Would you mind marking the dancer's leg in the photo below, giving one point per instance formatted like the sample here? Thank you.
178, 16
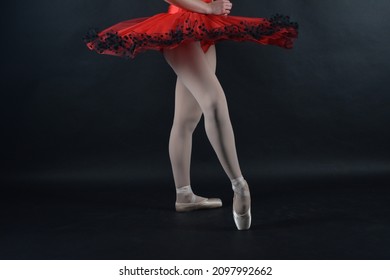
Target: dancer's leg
186, 117
191, 66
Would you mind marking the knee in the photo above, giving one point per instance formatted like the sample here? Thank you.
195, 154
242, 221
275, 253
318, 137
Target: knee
214, 106
186, 125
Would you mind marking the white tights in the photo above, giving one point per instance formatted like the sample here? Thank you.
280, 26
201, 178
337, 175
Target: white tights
198, 92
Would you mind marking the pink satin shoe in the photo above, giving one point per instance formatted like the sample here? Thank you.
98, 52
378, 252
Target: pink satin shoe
207, 203
242, 221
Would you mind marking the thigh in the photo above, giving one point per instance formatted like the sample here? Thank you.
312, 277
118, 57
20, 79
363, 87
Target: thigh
186, 106
196, 71
187, 109
211, 57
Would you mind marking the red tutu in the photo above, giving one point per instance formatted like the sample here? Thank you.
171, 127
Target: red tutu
168, 30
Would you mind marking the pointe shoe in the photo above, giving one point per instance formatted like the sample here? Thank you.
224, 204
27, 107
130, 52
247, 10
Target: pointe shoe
206, 203
242, 221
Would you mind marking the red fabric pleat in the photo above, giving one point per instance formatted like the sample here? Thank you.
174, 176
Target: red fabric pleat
179, 26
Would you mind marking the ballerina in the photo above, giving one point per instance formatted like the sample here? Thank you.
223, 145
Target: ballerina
186, 35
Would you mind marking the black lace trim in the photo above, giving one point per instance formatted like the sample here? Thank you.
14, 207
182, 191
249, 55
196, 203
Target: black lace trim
129, 45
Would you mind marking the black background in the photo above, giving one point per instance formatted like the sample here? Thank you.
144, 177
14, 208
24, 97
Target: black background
70, 113
71, 116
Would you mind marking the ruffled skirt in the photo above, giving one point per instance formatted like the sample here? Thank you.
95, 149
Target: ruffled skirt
178, 26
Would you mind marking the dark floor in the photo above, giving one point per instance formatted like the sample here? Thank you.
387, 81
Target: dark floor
315, 219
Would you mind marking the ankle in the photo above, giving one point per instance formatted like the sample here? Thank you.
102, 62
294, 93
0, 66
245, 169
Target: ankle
185, 194
240, 186
238, 181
